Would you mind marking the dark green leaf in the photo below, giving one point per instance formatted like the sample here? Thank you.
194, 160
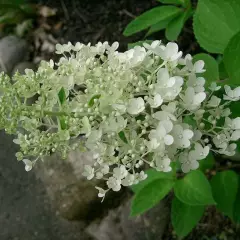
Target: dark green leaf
158, 26
215, 22
231, 59
150, 195
207, 163
211, 66
62, 99
185, 217
236, 207
175, 26
122, 136
194, 189
152, 175
224, 189
222, 71
149, 18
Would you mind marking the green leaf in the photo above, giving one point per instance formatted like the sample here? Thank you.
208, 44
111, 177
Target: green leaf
185, 217
152, 176
211, 66
194, 189
62, 96
91, 101
158, 26
174, 28
231, 59
235, 109
138, 43
122, 136
236, 206
224, 189
215, 22
150, 195
149, 18
222, 71
207, 163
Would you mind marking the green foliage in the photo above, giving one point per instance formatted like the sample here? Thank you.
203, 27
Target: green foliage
194, 189
62, 99
152, 176
207, 163
148, 196
184, 217
122, 136
231, 59
215, 22
224, 188
151, 17
211, 66
236, 206
175, 26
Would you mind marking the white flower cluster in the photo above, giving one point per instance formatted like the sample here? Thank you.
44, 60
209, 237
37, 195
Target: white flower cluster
144, 107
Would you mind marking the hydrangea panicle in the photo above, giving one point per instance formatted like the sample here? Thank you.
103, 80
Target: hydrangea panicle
146, 107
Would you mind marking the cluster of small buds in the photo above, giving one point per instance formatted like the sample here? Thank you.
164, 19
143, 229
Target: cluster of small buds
146, 107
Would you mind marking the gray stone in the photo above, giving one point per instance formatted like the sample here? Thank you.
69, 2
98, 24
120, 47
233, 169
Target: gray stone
12, 51
20, 67
118, 225
72, 195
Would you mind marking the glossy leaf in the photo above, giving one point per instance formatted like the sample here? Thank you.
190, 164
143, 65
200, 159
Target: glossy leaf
224, 189
194, 189
149, 18
185, 217
215, 22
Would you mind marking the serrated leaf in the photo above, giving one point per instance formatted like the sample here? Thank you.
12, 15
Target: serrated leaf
152, 176
224, 189
231, 59
150, 195
185, 217
139, 43
212, 72
207, 163
194, 189
175, 26
209, 16
149, 18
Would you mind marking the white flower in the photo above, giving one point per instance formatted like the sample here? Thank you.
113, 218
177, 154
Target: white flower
181, 136
88, 172
135, 106
28, 164
214, 87
191, 100
231, 95
188, 162
221, 141
234, 124
196, 83
86, 126
120, 172
163, 164
105, 169
197, 135
235, 135
229, 150
156, 101
161, 133
114, 184
197, 67
182, 61
163, 79
170, 52
128, 180
152, 144
153, 47
200, 152
121, 108
101, 192
214, 102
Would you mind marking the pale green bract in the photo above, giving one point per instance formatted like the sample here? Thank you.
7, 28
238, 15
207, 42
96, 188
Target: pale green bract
126, 108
